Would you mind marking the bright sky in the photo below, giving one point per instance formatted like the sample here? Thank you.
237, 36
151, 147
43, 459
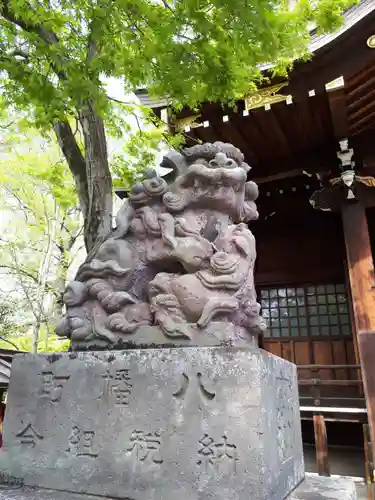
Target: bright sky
115, 89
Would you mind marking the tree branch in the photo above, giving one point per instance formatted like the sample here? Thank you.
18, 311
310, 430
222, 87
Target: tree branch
20, 53
48, 36
92, 48
19, 270
166, 5
9, 342
121, 102
133, 113
4, 127
74, 238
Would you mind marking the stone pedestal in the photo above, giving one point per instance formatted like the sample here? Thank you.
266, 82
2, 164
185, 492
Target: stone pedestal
155, 424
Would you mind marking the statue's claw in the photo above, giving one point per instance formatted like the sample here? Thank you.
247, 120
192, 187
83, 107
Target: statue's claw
116, 300
215, 306
117, 322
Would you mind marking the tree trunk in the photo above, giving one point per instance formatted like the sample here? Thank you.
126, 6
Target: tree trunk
91, 173
61, 279
35, 337
99, 182
76, 162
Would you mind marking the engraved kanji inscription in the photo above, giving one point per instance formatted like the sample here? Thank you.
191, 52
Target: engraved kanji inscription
193, 382
81, 443
219, 457
284, 419
145, 447
119, 383
29, 436
52, 385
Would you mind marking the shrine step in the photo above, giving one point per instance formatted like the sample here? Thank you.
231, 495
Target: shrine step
323, 488
313, 488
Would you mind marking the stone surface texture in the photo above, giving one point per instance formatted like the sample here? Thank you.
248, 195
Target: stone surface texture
38, 494
156, 424
325, 488
181, 256
313, 488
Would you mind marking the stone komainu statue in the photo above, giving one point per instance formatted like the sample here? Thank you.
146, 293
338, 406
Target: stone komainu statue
178, 267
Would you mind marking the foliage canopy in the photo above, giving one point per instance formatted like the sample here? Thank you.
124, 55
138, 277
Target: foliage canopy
38, 240
56, 54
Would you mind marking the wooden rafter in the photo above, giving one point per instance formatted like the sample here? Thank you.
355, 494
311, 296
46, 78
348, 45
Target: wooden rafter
345, 56
339, 113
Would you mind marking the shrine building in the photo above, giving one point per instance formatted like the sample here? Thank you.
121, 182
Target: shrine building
310, 140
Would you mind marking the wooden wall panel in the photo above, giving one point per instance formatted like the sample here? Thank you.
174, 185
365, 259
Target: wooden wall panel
322, 353
292, 253
302, 355
314, 351
301, 248
350, 353
287, 351
340, 358
273, 347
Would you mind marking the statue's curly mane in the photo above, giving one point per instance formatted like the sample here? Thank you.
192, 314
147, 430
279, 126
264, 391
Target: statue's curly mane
208, 152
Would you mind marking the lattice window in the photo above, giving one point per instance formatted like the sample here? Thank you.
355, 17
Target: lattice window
307, 310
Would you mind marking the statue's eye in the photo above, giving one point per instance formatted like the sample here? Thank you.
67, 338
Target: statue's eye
201, 161
137, 188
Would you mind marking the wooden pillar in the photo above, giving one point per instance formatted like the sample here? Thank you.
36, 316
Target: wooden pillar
368, 460
321, 445
362, 283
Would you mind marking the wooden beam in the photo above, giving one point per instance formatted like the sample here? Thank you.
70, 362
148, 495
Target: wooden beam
229, 133
330, 383
267, 121
346, 420
361, 276
355, 104
364, 123
363, 112
321, 445
250, 133
360, 266
296, 172
339, 115
312, 162
361, 80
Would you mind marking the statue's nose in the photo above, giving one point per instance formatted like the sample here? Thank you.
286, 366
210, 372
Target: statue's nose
219, 160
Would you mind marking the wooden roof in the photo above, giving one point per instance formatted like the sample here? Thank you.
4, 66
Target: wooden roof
5, 369
6, 356
302, 133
